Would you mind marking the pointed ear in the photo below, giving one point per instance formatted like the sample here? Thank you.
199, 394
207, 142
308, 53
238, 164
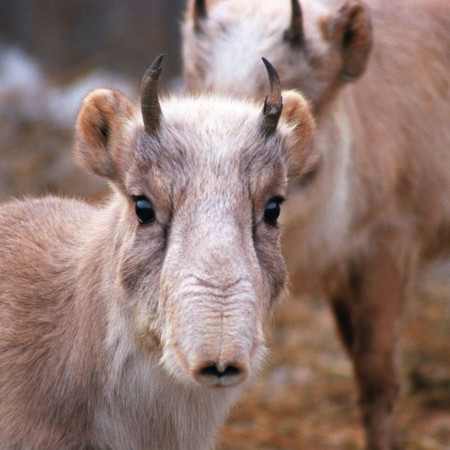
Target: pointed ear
350, 28
99, 132
297, 116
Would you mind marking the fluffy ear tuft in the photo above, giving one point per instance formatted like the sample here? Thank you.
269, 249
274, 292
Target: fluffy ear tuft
99, 128
350, 28
297, 115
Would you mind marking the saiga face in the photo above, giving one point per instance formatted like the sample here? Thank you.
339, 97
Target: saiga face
315, 48
198, 184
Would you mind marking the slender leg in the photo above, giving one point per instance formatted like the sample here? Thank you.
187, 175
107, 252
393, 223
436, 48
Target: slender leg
368, 317
385, 282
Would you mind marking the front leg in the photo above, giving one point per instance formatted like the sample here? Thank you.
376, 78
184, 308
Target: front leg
385, 279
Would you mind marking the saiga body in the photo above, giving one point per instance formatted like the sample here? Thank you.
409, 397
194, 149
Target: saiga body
378, 200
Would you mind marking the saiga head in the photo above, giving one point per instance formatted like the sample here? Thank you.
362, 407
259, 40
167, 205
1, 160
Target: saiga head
198, 184
315, 48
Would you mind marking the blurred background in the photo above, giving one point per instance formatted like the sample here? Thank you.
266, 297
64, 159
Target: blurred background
52, 52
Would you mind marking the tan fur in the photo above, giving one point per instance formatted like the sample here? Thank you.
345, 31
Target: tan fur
105, 324
379, 201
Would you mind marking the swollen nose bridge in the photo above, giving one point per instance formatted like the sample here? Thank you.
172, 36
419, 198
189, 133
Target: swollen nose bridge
229, 334
222, 247
220, 315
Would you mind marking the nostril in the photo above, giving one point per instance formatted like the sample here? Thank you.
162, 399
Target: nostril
213, 371
213, 374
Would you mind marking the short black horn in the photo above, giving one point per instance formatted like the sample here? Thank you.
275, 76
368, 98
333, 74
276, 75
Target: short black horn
151, 110
294, 34
273, 105
199, 12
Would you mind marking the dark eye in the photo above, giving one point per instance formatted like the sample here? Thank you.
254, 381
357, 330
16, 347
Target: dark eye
144, 210
272, 211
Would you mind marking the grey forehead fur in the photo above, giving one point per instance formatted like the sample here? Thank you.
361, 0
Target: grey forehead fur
192, 146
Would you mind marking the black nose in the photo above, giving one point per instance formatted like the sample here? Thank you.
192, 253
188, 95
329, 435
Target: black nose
214, 371
216, 375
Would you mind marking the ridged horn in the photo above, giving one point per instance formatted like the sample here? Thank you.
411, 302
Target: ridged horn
294, 34
273, 105
151, 110
199, 12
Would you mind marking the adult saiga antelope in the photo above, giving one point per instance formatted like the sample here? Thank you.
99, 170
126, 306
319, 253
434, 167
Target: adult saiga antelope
378, 199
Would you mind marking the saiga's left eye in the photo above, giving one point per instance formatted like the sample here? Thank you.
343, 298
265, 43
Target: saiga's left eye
272, 211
